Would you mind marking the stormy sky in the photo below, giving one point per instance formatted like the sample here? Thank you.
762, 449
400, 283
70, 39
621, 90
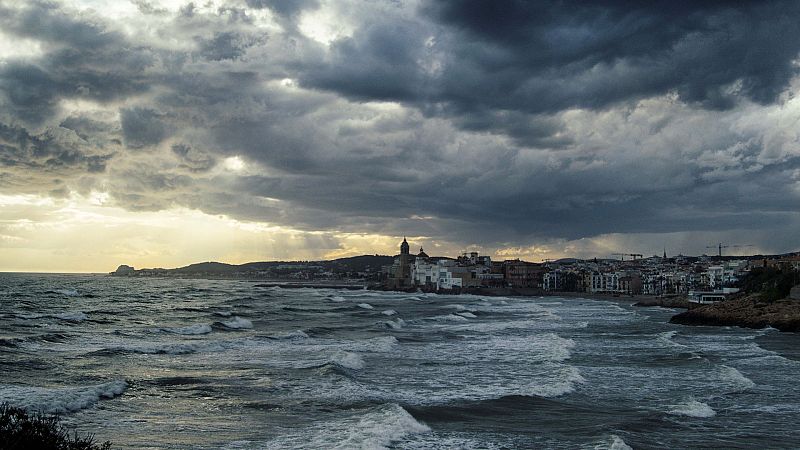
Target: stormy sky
167, 132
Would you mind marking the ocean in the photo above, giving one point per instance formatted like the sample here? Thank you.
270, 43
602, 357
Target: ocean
173, 363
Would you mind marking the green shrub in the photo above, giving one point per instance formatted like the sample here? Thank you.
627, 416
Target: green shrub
22, 430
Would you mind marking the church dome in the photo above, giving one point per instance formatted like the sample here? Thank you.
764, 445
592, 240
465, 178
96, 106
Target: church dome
422, 253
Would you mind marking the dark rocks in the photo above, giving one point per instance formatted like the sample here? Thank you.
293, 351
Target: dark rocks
123, 270
667, 302
747, 312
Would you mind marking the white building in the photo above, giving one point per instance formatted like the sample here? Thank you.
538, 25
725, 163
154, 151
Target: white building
605, 281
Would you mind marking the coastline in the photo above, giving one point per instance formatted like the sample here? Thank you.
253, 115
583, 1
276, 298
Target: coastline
746, 312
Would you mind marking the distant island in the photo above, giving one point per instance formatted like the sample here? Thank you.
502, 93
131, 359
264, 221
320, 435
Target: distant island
362, 269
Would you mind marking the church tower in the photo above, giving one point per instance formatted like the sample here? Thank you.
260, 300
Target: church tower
404, 248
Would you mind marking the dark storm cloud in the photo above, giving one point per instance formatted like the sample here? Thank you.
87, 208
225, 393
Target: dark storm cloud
544, 57
41, 163
478, 122
86, 60
193, 159
142, 127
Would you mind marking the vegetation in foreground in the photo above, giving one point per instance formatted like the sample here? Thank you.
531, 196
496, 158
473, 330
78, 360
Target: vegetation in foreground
20, 429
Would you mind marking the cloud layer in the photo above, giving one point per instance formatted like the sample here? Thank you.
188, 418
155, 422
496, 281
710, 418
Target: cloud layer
504, 125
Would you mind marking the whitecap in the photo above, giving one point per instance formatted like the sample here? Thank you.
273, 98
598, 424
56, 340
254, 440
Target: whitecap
667, 338
72, 316
59, 400
396, 324
450, 317
296, 334
692, 408
735, 379
348, 360
200, 328
365, 306
376, 344
337, 299
378, 428
389, 312
237, 323
68, 292
466, 314
618, 444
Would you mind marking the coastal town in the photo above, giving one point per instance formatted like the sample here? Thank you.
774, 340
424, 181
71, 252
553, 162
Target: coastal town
704, 279
701, 279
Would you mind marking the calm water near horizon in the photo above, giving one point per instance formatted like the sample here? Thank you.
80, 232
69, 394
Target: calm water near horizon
173, 363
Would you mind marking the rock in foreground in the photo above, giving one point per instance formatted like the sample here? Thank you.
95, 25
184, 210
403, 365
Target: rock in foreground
747, 312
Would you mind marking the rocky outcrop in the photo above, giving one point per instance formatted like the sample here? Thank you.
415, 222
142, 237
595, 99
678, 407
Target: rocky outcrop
747, 312
123, 270
667, 302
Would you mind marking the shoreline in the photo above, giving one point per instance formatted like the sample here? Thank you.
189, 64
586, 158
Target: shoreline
746, 312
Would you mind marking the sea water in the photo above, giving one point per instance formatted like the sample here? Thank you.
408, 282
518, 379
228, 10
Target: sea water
170, 363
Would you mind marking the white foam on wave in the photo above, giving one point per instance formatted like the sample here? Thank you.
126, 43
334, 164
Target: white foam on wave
568, 377
365, 306
389, 312
735, 379
376, 344
68, 292
196, 329
60, 400
238, 323
667, 338
692, 408
349, 360
76, 316
296, 334
396, 324
466, 314
450, 317
618, 444
459, 307
378, 428
70, 316
337, 299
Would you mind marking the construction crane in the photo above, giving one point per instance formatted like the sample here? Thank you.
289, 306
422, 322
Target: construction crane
720, 246
623, 255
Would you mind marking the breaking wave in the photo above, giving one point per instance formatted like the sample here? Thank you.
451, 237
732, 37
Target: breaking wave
237, 323
692, 408
200, 328
396, 324
60, 400
379, 428
735, 379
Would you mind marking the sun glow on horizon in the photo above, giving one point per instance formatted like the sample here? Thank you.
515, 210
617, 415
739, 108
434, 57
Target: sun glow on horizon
84, 234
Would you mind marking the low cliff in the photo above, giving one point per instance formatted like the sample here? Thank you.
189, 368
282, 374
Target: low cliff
747, 312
